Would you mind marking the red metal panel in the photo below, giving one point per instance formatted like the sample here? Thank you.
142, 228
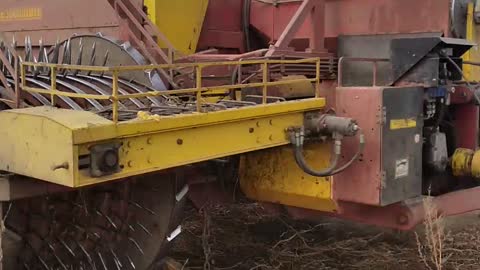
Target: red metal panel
362, 181
40, 18
222, 27
466, 123
401, 216
224, 15
353, 17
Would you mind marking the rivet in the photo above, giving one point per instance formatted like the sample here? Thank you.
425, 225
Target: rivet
258, 124
130, 164
251, 130
179, 141
149, 141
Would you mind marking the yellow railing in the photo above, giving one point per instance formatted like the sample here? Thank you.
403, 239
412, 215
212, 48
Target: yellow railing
198, 90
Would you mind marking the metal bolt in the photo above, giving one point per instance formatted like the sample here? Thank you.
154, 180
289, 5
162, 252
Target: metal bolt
402, 219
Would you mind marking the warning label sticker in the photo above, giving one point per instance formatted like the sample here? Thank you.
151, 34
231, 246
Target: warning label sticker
401, 168
403, 123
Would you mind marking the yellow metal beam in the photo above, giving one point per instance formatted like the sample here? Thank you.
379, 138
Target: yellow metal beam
177, 122
47, 143
472, 73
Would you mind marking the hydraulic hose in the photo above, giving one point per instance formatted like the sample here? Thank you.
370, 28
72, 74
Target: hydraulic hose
297, 139
450, 60
361, 147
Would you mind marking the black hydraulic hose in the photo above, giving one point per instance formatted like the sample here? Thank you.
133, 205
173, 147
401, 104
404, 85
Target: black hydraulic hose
332, 170
449, 59
302, 163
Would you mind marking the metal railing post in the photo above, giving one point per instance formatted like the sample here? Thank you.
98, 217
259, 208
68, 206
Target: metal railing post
317, 79
17, 86
23, 79
199, 88
53, 85
115, 96
265, 81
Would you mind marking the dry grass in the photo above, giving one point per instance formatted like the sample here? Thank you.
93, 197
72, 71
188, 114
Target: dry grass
431, 247
244, 236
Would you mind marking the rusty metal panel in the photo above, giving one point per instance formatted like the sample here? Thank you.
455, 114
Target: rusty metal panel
350, 17
52, 19
361, 182
366, 17
222, 27
390, 169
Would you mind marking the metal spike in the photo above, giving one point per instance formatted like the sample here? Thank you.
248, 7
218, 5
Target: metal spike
56, 256
79, 59
67, 55
136, 245
40, 57
175, 233
2, 50
45, 57
101, 260
14, 48
60, 261
108, 219
115, 257
35, 68
105, 60
40, 51
144, 228
84, 201
27, 50
180, 195
131, 262
56, 52
143, 207
44, 264
66, 247
85, 252
117, 264
92, 57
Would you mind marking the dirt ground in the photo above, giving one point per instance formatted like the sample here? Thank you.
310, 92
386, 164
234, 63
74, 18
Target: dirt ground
244, 237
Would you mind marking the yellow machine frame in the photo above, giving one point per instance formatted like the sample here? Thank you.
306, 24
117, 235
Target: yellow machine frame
47, 143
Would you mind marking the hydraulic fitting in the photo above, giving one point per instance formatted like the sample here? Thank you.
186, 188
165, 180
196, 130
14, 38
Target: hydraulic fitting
330, 124
325, 125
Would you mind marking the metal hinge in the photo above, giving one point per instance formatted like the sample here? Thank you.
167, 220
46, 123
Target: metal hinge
383, 180
384, 116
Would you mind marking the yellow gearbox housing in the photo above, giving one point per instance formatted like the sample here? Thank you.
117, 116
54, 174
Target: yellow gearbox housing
273, 176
